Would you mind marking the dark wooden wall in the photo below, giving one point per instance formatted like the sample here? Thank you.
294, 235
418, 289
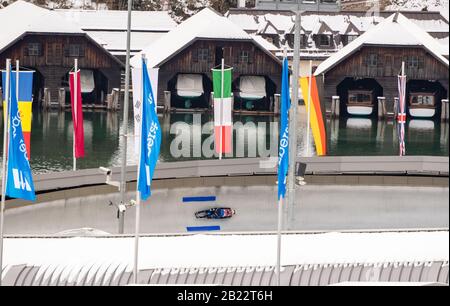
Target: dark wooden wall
186, 61
53, 62
385, 73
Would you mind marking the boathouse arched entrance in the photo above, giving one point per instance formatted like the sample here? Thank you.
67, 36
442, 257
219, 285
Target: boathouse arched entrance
254, 93
424, 98
358, 96
94, 86
190, 90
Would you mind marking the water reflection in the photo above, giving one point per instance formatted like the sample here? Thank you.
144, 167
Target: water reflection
363, 136
51, 140
189, 137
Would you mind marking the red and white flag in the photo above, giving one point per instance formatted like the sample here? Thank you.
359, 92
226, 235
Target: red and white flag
77, 113
401, 117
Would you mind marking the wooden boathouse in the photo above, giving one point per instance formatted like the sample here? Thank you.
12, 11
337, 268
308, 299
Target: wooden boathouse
364, 73
43, 41
186, 55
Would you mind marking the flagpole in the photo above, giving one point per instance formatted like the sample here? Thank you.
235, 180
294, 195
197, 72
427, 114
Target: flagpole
222, 67
136, 235
403, 111
123, 167
280, 226
75, 103
308, 107
138, 207
293, 115
4, 162
403, 69
138, 197
17, 80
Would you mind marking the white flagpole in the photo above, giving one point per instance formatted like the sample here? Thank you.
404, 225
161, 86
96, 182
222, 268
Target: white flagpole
5, 161
308, 108
403, 109
403, 69
293, 115
17, 81
124, 135
136, 235
75, 103
280, 226
221, 106
138, 196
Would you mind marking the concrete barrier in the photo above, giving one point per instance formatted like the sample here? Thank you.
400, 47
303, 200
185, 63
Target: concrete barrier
330, 165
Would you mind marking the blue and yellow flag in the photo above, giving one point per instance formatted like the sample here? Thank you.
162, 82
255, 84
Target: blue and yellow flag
283, 149
20, 180
150, 136
24, 99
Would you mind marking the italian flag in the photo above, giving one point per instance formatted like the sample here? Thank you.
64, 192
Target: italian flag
222, 110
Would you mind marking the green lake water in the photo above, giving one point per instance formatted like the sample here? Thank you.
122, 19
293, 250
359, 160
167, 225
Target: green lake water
188, 137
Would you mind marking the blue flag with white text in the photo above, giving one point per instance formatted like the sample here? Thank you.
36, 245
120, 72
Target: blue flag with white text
20, 180
150, 136
283, 149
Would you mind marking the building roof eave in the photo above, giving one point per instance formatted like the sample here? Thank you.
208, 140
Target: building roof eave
20, 37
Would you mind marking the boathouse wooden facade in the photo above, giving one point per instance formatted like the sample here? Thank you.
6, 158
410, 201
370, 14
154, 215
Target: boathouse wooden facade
379, 67
245, 57
368, 65
47, 43
188, 54
52, 57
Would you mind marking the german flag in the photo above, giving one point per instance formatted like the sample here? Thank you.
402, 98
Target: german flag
317, 114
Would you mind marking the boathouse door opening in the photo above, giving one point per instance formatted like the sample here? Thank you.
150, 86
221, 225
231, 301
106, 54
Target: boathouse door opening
190, 91
424, 98
359, 96
253, 93
94, 86
38, 87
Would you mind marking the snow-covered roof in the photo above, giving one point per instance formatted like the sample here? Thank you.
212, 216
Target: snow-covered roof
109, 27
117, 20
265, 43
396, 30
115, 41
204, 251
206, 24
280, 22
445, 46
251, 21
22, 17
247, 22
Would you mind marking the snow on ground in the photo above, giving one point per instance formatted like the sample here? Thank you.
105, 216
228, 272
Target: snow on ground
205, 251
